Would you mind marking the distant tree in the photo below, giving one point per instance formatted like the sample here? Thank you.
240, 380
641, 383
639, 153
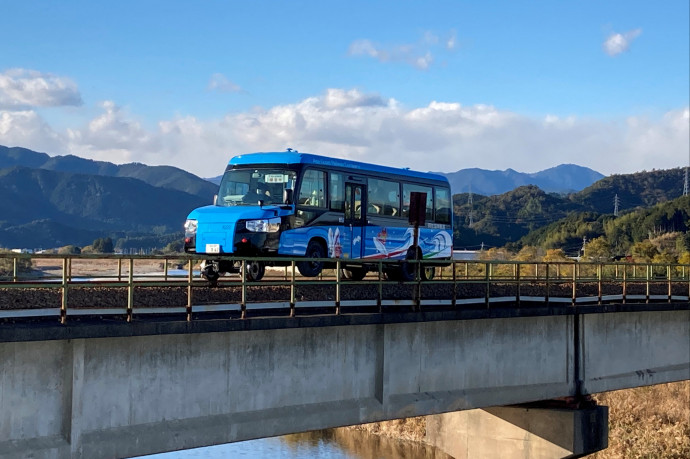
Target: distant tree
598, 249
682, 243
664, 258
555, 255
69, 250
174, 247
684, 259
528, 253
644, 251
103, 245
495, 254
88, 249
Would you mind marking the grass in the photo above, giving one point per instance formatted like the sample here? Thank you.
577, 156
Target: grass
648, 422
644, 423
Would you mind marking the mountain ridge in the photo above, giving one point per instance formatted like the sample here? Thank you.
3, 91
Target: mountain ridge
158, 176
564, 178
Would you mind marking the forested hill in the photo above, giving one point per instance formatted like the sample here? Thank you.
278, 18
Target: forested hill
510, 217
620, 232
44, 208
157, 176
505, 218
642, 189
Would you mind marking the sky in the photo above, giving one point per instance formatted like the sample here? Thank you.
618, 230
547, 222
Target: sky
434, 85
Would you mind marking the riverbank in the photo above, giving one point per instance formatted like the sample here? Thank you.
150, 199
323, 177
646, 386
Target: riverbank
644, 422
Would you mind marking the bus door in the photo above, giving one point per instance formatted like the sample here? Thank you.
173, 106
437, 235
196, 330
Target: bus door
355, 219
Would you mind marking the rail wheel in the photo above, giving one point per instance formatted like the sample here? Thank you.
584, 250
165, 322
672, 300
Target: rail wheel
354, 274
254, 271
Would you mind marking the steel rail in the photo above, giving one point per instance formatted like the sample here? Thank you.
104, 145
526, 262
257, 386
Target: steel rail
66, 278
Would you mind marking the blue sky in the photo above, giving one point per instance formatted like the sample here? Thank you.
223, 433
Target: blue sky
428, 85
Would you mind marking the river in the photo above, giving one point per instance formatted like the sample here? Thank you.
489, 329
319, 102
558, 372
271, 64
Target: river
325, 444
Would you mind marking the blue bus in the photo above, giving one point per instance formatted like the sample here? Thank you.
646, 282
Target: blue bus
291, 204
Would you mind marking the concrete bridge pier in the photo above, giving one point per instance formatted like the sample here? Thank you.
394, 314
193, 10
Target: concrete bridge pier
535, 431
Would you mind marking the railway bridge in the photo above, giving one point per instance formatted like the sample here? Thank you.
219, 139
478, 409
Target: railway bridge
124, 356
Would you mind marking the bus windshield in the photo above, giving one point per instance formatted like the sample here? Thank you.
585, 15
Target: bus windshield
246, 187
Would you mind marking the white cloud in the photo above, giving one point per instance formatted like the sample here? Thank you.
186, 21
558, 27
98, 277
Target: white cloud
440, 136
452, 41
219, 82
22, 89
617, 43
418, 55
26, 128
112, 136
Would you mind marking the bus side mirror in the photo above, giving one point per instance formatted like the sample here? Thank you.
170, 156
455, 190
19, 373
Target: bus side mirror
287, 196
215, 199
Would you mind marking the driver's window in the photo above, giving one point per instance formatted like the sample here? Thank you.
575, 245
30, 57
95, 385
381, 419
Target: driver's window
312, 191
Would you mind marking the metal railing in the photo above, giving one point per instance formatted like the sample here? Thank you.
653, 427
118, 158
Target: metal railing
40, 286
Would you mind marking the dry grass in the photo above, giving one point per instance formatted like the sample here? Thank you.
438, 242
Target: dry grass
408, 429
648, 422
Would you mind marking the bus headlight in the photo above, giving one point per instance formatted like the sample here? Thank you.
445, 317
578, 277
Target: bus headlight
263, 226
190, 227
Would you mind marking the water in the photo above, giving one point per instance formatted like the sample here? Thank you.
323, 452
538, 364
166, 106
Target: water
326, 444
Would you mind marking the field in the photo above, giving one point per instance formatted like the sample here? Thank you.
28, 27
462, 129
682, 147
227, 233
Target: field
648, 422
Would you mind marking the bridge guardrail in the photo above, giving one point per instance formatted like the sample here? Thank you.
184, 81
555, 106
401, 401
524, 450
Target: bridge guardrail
41, 285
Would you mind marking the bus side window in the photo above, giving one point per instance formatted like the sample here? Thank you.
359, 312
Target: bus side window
442, 205
384, 197
409, 188
312, 190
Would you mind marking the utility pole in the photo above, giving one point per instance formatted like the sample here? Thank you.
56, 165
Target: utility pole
584, 244
616, 201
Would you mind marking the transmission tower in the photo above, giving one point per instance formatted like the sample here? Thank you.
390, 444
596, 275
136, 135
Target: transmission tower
616, 201
469, 203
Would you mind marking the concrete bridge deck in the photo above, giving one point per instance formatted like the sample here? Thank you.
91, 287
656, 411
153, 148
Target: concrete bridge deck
130, 384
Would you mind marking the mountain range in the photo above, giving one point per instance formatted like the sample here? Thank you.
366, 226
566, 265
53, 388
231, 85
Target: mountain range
157, 176
565, 178
508, 218
55, 201
51, 201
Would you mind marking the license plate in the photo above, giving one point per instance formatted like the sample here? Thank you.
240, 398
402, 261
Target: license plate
212, 248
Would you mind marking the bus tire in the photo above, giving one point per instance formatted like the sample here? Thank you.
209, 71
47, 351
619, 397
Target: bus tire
354, 274
407, 270
312, 268
254, 271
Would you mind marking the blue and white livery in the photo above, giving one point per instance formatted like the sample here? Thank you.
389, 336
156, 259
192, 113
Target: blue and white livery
302, 205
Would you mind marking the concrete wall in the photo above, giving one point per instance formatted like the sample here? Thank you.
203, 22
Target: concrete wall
634, 349
519, 432
118, 397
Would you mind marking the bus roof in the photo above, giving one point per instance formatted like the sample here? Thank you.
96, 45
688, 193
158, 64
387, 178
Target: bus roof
291, 157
